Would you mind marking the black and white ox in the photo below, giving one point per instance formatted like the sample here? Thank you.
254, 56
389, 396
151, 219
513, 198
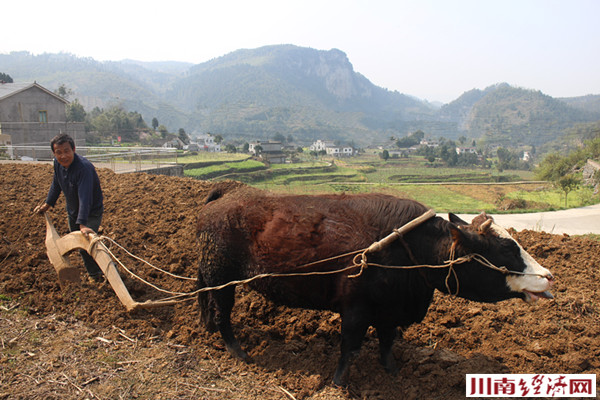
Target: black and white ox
246, 232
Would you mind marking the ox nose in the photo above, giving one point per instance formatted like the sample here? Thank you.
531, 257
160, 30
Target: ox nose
549, 277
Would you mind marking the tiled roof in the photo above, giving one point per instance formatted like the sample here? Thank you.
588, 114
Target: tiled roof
9, 89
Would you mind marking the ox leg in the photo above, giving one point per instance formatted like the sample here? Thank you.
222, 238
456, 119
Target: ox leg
353, 332
386, 337
224, 300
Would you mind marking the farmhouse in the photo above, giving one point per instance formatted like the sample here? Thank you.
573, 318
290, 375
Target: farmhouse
206, 142
466, 150
331, 148
32, 115
270, 151
321, 145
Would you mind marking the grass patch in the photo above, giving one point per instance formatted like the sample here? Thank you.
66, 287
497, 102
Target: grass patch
555, 198
205, 156
434, 185
215, 170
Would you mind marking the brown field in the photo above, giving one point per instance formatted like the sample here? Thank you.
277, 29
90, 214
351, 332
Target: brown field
78, 342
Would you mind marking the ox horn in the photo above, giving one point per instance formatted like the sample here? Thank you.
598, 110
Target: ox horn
485, 226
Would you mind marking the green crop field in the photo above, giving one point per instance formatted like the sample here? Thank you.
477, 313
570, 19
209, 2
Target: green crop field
459, 190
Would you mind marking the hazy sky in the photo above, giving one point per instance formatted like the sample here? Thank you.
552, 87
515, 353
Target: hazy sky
432, 49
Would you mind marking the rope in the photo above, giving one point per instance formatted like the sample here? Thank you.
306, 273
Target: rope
362, 264
356, 263
99, 238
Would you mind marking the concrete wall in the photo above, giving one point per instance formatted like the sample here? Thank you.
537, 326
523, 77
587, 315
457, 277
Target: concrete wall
24, 106
19, 118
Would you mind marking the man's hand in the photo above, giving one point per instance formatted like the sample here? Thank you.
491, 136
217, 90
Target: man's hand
41, 209
86, 231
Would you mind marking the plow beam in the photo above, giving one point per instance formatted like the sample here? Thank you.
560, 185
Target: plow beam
58, 247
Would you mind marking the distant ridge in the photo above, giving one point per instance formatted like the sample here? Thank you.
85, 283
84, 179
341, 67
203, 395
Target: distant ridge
307, 93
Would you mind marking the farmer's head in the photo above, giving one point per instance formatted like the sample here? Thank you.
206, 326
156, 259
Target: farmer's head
63, 148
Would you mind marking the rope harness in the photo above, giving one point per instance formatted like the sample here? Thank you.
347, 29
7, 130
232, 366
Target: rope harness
360, 261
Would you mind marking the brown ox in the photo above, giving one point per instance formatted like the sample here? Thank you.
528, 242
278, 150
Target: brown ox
247, 232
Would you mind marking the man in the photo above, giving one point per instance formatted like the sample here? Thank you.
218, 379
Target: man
76, 177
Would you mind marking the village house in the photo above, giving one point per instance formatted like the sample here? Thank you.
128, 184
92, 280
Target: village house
270, 151
466, 150
339, 151
32, 115
321, 145
174, 143
331, 148
429, 142
206, 142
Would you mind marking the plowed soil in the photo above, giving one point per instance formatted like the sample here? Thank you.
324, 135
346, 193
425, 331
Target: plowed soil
78, 341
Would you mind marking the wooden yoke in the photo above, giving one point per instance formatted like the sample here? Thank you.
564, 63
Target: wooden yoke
58, 247
377, 246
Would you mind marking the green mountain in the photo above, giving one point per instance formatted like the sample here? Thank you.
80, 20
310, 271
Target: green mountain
307, 93
509, 116
290, 90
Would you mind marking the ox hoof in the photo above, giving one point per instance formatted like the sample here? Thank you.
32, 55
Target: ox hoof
338, 383
238, 353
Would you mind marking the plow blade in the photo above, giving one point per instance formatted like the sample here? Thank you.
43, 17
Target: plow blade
58, 248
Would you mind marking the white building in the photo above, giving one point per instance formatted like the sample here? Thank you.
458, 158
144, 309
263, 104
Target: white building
464, 150
205, 142
331, 148
271, 152
321, 145
339, 151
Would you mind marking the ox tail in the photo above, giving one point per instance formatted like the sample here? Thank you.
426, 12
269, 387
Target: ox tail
207, 310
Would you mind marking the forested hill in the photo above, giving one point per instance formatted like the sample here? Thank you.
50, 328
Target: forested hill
307, 93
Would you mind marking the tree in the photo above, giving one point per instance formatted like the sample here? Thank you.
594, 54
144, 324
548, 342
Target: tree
154, 123
258, 149
553, 167
64, 92
278, 137
5, 78
183, 136
568, 183
218, 139
418, 135
75, 112
163, 131
246, 147
230, 148
385, 155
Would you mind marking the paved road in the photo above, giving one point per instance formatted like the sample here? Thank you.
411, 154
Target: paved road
576, 221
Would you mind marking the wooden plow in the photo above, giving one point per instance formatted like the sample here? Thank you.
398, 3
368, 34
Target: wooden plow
59, 247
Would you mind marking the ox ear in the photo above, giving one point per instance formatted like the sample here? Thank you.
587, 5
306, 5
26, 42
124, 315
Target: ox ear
458, 235
456, 219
